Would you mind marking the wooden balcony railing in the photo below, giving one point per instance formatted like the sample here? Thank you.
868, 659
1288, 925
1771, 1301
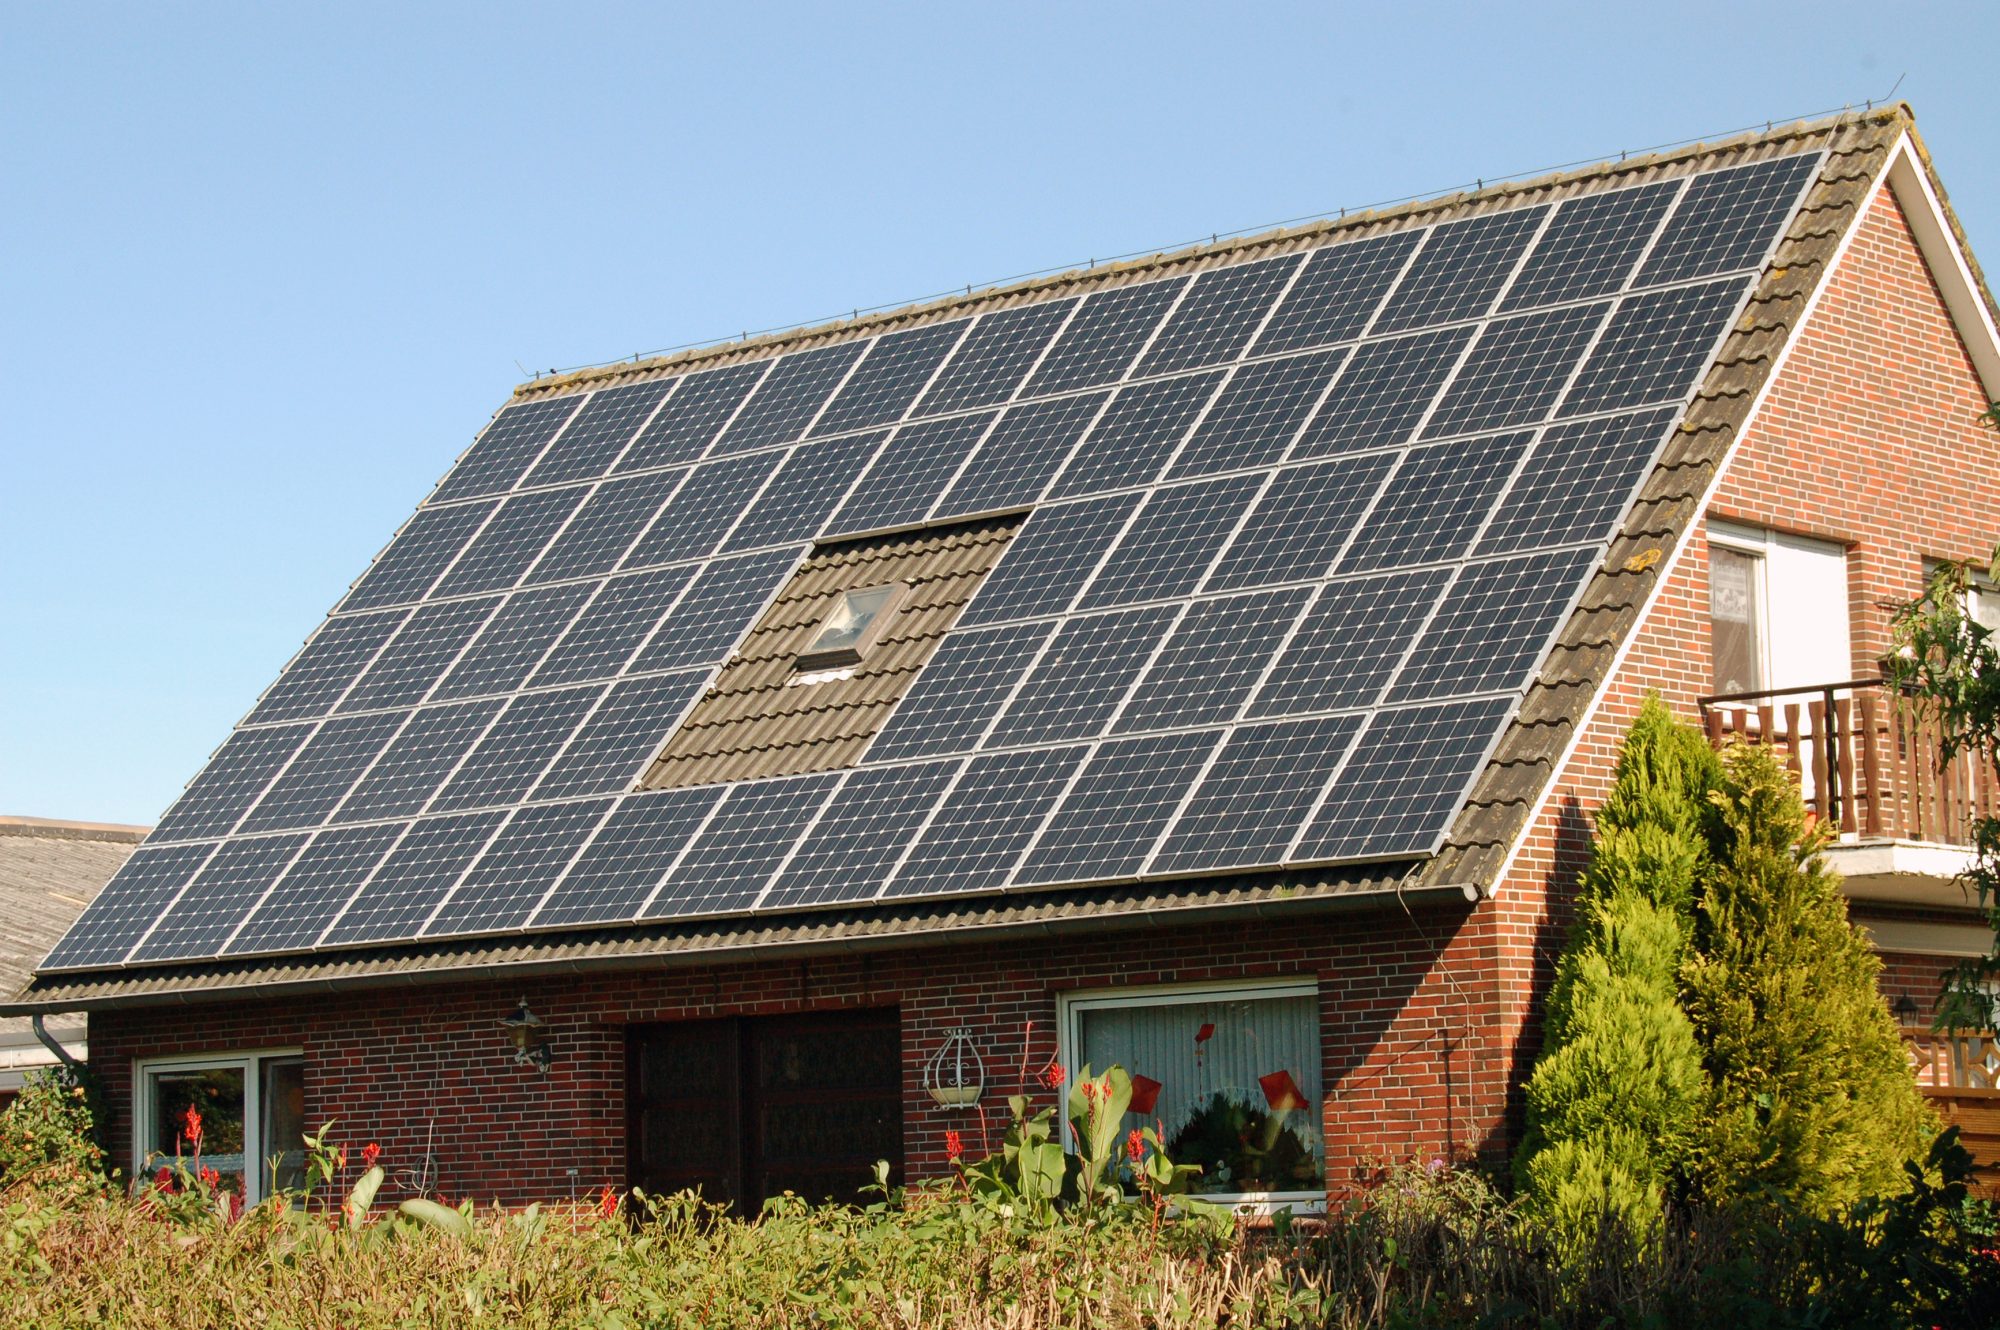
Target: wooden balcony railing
1866, 756
1958, 1072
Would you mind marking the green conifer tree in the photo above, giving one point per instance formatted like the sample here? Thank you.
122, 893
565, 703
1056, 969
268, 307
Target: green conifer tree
1614, 1100
1813, 1104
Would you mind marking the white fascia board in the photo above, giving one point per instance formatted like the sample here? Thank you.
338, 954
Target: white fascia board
1910, 182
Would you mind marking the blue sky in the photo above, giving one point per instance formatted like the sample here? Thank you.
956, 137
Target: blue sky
264, 272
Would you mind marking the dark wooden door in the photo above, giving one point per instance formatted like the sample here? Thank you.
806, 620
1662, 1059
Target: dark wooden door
746, 1109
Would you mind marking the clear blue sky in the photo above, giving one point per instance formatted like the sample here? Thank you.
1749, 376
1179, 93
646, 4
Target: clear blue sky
266, 271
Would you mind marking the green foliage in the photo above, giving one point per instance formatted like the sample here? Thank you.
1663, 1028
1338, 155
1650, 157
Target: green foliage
48, 1134
1812, 1103
1257, 1150
1613, 1103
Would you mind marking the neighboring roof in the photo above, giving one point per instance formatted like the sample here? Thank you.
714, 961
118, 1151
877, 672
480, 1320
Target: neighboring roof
49, 870
1515, 777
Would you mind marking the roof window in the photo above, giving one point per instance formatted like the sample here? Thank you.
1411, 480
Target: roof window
856, 621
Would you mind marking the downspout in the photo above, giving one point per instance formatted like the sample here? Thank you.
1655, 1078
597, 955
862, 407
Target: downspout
54, 1046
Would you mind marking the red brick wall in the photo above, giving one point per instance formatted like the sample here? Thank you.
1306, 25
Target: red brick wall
1429, 1022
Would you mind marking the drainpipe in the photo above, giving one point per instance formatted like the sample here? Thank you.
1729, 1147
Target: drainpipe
50, 1042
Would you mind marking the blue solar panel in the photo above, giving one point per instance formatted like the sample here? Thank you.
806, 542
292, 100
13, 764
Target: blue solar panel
1211, 661
417, 658
847, 854
1103, 338
959, 692
517, 868
731, 861
409, 884
323, 771
325, 666
599, 434
629, 856
418, 556
506, 449
513, 641
1257, 414
683, 428
142, 887
1016, 461
239, 771
1056, 549
606, 526
622, 735
908, 476
1349, 643
518, 749
1111, 818
1172, 542
1382, 393
896, 369
1138, 432
318, 883
994, 357
788, 398
1216, 320
1078, 683
1407, 776
984, 828
1251, 800
1336, 294
1299, 525
206, 914
626, 611
418, 761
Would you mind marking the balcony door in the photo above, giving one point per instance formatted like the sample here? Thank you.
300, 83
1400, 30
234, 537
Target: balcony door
1778, 610
745, 1109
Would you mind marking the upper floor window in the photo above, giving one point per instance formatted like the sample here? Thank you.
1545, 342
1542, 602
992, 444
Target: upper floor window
855, 622
1777, 610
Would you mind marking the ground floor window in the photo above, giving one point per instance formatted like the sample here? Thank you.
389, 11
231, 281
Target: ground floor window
1232, 1075
251, 1110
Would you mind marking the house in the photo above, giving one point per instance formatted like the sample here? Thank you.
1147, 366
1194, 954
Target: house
753, 763
49, 870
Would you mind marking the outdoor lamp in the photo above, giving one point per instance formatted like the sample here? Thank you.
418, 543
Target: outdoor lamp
525, 1030
955, 1075
1906, 1010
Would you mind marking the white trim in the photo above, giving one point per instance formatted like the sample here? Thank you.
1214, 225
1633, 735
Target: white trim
250, 1063
1910, 182
1070, 1006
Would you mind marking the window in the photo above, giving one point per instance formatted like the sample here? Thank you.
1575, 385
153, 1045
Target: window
1231, 1073
1736, 644
1777, 610
252, 1108
858, 618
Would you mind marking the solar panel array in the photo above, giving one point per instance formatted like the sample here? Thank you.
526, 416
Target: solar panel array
1303, 528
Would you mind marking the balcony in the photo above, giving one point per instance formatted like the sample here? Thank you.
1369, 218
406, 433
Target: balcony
1866, 757
1958, 1072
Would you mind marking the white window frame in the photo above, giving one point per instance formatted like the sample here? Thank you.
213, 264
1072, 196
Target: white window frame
1754, 543
1071, 1006
250, 1062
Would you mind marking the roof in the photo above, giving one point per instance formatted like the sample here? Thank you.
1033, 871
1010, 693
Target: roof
733, 721
49, 870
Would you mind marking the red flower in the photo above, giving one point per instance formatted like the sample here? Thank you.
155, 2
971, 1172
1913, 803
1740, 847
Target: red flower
164, 1178
1089, 1090
210, 1178
1135, 1145
191, 1128
607, 1204
340, 1157
1053, 1075
369, 1154
953, 1146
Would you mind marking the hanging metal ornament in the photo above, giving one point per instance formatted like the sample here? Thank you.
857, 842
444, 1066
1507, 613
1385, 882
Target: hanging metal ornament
954, 1075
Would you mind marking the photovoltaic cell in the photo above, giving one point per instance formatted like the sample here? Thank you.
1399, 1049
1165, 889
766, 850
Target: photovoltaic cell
238, 772
1349, 643
615, 744
1459, 271
506, 448
314, 888
306, 791
896, 369
127, 906
733, 858
515, 752
618, 870
1257, 415
1137, 433
788, 398
606, 526
959, 691
1013, 466
702, 510
980, 832
1728, 219
1515, 371
1298, 527
682, 429
599, 433
1492, 626
413, 879
324, 668
1117, 809
908, 475
994, 357
518, 868
418, 657
228, 885
517, 636
871, 817
808, 487
1590, 247
1103, 337
1082, 677
515, 538
1433, 504
1264, 781
1407, 776
1381, 394
1576, 482
1172, 542
1212, 661
1219, 316
611, 628
414, 559
1049, 559
717, 610
1336, 294
1653, 347
417, 761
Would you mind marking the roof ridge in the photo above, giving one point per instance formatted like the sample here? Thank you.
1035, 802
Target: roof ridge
55, 828
1120, 272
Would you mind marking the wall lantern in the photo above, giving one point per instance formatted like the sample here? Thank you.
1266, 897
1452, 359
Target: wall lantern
1906, 1010
955, 1075
528, 1032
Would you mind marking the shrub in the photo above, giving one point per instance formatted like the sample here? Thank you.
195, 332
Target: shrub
47, 1134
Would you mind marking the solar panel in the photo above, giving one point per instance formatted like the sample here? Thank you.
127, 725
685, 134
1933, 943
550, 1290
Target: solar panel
628, 857
1339, 497
517, 868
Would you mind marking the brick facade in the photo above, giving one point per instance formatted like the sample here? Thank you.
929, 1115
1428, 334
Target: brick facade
1429, 1019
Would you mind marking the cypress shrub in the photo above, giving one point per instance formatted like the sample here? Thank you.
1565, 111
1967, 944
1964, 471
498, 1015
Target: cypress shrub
1614, 1100
1811, 1103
